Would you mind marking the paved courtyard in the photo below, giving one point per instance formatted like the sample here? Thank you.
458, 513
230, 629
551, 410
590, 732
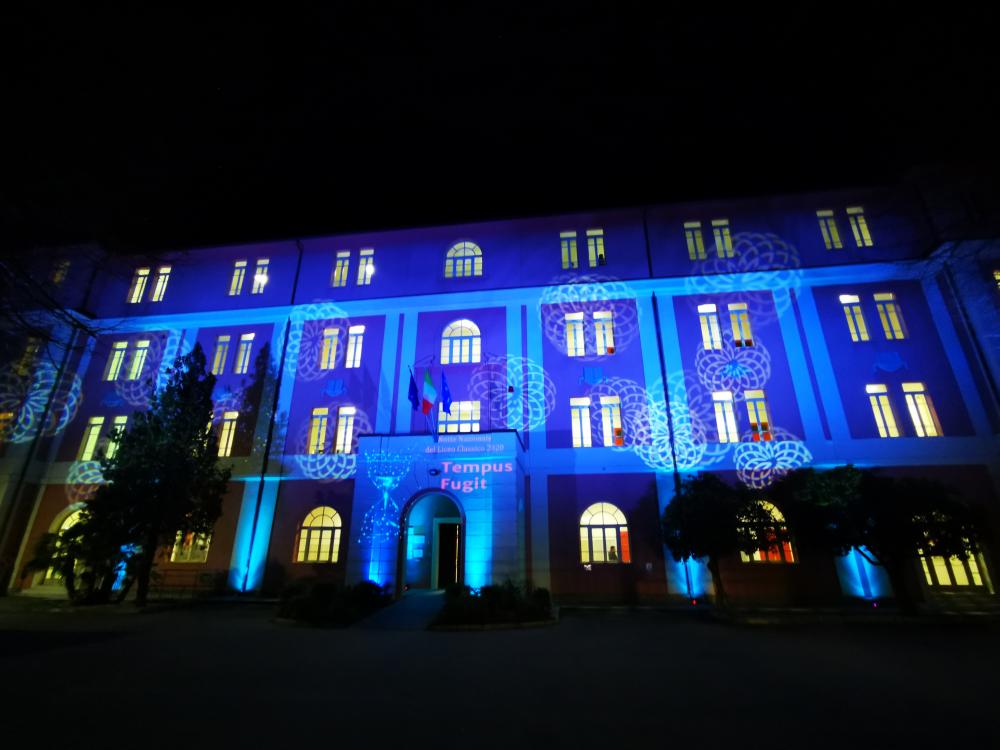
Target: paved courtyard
229, 676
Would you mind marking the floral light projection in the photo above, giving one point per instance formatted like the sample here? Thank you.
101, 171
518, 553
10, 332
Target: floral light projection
516, 390
82, 480
28, 396
634, 406
305, 339
588, 293
733, 368
331, 467
136, 393
759, 464
381, 520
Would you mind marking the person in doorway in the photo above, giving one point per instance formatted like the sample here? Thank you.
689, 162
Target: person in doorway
612, 554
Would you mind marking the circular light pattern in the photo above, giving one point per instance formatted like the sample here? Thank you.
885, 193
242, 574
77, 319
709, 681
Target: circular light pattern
633, 404
28, 396
305, 338
516, 390
760, 464
588, 293
82, 480
733, 368
694, 422
331, 467
138, 392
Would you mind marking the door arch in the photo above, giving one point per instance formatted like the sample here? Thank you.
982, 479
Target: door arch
437, 509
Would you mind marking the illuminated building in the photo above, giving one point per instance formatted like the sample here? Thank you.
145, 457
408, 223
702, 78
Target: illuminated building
591, 359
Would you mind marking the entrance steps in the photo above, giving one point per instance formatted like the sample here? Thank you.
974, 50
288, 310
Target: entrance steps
413, 611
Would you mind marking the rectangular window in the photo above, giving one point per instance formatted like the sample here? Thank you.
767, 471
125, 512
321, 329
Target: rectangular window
260, 277
26, 364
328, 355
138, 287
239, 273
117, 429
59, 272
191, 548
221, 355
888, 313
725, 417
6, 425
996, 278
569, 255
574, 334
115, 360
695, 240
243, 354
855, 317
464, 417
922, 414
711, 336
91, 434
862, 237
595, 247
355, 338
366, 266
760, 423
611, 421
604, 331
340, 268
739, 316
227, 432
160, 287
723, 239
317, 430
138, 359
828, 226
580, 415
885, 419
345, 430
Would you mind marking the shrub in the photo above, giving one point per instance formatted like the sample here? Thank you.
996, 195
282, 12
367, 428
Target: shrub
506, 603
318, 602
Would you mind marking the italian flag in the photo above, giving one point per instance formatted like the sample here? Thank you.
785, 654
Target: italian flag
430, 395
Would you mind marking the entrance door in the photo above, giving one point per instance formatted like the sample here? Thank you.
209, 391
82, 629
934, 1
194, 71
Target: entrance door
447, 561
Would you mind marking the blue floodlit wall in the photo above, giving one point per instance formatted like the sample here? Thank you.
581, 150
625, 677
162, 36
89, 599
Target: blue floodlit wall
803, 359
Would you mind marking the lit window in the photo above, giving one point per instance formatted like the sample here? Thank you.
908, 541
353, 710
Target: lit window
59, 272
888, 313
595, 247
604, 331
340, 268
725, 417
366, 266
227, 433
90, 437
328, 356
239, 273
26, 363
569, 255
355, 338
71, 520
695, 240
828, 226
463, 259
117, 430
574, 334
961, 572
779, 548
138, 359
580, 415
922, 414
317, 430
760, 424
740, 319
461, 342
190, 548
6, 425
160, 287
115, 361
319, 537
260, 277
855, 317
611, 421
464, 417
723, 239
711, 336
862, 237
996, 278
885, 419
243, 354
221, 355
604, 535
345, 430
138, 287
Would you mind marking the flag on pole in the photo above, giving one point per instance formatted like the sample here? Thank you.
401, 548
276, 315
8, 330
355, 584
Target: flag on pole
430, 395
445, 395
414, 395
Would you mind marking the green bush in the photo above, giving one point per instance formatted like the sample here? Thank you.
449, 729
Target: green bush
318, 602
506, 603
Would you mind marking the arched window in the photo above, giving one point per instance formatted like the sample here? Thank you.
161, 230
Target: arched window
319, 537
776, 547
68, 522
461, 342
604, 535
464, 259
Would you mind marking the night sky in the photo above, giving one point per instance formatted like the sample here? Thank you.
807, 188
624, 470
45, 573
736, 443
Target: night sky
147, 130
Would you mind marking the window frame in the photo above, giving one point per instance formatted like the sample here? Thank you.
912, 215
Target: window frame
739, 318
859, 226
569, 249
576, 341
311, 554
236, 280
711, 330
344, 437
366, 266
605, 517
463, 336
580, 428
722, 234
890, 316
355, 343
727, 428
341, 268
464, 414
831, 232
857, 326
923, 416
464, 259
882, 410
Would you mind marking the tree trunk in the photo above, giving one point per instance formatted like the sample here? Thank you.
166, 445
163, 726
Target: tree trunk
901, 587
721, 600
145, 570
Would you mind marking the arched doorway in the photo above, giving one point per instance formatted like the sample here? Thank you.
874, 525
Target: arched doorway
431, 542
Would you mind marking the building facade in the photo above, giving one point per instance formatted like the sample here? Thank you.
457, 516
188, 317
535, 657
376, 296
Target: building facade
590, 361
